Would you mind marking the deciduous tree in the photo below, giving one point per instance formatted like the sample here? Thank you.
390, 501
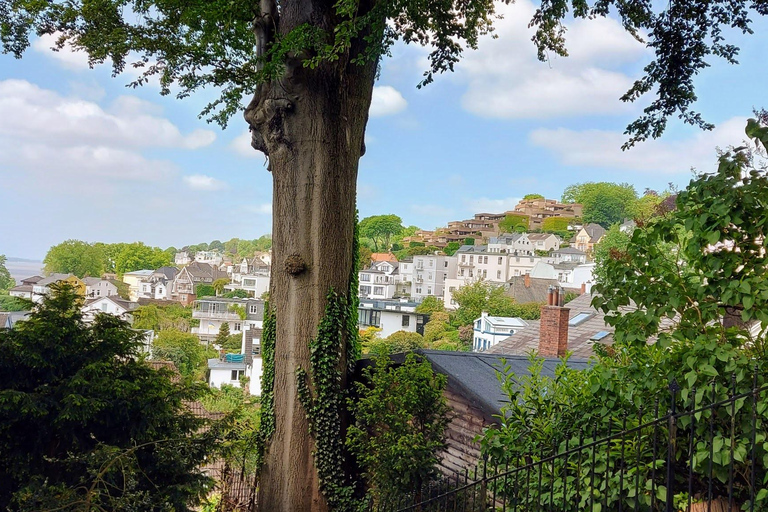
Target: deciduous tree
75, 257
380, 229
6, 281
604, 203
311, 67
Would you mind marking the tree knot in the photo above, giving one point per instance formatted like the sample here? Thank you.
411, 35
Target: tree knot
294, 264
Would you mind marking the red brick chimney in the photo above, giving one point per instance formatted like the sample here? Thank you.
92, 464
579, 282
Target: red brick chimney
553, 333
527, 280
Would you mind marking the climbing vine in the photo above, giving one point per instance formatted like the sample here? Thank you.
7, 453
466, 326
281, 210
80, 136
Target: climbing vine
267, 422
353, 301
325, 404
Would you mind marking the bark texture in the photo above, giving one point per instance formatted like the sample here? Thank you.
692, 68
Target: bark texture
311, 124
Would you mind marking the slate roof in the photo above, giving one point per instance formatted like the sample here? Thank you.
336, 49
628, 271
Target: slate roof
26, 288
579, 342
536, 292
168, 272
90, 281
31, 279
473, 375
53, 278
569, 250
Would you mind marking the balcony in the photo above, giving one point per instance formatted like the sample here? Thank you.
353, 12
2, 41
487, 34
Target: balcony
216, 315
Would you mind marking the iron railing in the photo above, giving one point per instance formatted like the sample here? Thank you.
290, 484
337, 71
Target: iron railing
685, 460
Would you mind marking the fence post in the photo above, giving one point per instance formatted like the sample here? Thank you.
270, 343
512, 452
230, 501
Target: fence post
484, 484
674, 387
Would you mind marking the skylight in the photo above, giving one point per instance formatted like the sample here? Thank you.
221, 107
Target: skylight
579, 319
599, 336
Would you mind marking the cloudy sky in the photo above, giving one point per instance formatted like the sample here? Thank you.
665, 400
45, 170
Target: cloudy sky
82, 156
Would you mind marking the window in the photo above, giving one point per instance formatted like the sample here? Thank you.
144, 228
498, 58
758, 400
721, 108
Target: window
485, 259
378, 290
463, 258
365, 290
580, 318
430, 276
104, 306
366, 317
485, 273
471, 259
452, 289
429, 290
253, 309
365, 277
501, 260
406, 321
445, 264
599, 335
498, 274
238, 326
236, 374
418, 290
431, 263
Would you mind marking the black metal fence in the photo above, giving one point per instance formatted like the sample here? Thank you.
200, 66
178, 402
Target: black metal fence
710, 458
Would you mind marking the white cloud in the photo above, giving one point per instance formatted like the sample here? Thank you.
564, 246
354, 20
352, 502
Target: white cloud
30, 112
203, 182
67, 57
242, 146
488, 205
386, 101
506, 80
261, 209
598, 148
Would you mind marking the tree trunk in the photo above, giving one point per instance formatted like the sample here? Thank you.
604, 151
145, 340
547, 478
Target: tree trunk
311, 124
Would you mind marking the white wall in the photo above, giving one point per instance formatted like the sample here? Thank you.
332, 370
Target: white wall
392, 321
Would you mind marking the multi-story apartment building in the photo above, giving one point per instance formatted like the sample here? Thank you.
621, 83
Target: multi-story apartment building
379, 280
214, 311
429, 274
539, 209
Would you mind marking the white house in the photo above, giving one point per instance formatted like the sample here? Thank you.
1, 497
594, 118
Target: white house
489, 330
390, 316
429, 274
379, 281
182, 258
228, 369
112, 305
210, 257
212, 312
95, 287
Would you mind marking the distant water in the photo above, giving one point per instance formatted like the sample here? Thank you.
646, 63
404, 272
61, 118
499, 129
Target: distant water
22, 269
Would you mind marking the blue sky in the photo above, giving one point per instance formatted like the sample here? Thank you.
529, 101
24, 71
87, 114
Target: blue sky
82, 156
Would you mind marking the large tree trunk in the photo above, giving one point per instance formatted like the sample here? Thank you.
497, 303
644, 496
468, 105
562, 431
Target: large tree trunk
311, 124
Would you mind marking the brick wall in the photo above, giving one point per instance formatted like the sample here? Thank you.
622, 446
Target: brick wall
553, 336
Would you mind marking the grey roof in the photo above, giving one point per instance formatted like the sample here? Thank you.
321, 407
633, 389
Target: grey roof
579, 342
31, 279
125, 304
53, 278
536, 291
143, 272
569, 250
474, 375
27, 288
10, 319
473, 248
90, 281
218, 364
168, 272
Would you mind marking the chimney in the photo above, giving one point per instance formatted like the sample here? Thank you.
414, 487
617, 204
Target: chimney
527, 280
553, 334
583, 288
248, 345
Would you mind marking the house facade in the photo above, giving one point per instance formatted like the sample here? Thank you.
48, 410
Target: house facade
95, 287
111, 305
42, 287
588, 237
429, 275
138, 283
540, 209
390, 316
379, 281
490, 330
240, 314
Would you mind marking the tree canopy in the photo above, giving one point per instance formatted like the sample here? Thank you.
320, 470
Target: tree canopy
604, 203
6, 281
514, 222
380, 229
83, 417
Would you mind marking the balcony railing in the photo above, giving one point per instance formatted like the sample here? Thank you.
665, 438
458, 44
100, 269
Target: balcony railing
225, 315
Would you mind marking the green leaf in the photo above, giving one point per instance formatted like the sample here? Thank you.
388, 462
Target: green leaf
709, 370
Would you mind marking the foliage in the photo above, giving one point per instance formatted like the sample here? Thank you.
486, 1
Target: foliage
429, 305
434, 329
368, 335
158, 317
83, 419
233, 344
557, 225
219, 284
243, 416
395, 343
451, 248
702, 265
223, 334
123, 289
400, 419
469, 241
604, 203
10, 303
614, 242
238, 309
137, 256
365, 257
320, 394
380, 229
6, 281
514, 221
267, 418
466, 333
237, 294
75, 257
474, 298
528, 197
204, 290
184, 349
